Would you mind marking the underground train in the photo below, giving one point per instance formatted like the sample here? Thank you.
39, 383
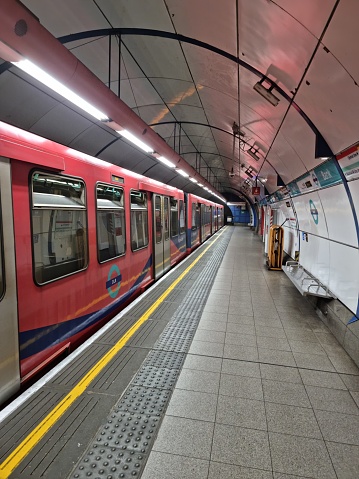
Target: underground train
79, 239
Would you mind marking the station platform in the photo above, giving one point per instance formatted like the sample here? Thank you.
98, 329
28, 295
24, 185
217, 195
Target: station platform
222, 370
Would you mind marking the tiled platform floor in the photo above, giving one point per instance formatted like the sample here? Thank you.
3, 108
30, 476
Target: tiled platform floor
266, 392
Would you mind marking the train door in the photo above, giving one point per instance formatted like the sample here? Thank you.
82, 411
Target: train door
161, 228
9, 338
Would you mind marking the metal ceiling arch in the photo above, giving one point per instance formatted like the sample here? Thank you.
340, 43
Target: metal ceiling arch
119, 32
197, 62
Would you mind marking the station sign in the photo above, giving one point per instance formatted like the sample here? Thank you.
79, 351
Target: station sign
349, 162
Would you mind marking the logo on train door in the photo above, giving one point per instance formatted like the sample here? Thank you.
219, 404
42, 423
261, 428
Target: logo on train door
113, 282
313, 212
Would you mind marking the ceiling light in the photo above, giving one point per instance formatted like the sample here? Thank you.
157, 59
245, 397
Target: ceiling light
59, 88
181, 172
266, 93
136, 141
200, 184
193, 180
253, 152
166, 162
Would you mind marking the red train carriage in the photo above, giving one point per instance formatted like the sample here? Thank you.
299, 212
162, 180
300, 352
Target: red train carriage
89, 237
202, 220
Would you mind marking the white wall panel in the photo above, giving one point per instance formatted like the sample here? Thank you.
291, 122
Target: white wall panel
344, 277
302, 206
354, 189
314, 256
338, 214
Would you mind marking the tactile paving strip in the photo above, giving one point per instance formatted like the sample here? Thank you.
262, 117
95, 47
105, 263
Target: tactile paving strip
122, 445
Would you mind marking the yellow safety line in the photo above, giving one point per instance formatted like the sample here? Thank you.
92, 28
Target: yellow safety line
24, 448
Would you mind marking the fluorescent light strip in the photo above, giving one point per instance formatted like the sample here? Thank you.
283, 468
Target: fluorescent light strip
193, 180
166, 162
59, 88
183, 173
136, 141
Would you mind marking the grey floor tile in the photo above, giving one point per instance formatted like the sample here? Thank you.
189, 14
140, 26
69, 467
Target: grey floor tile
164, 466
216, 297
203, 363
326, 338
243, 353
279, 475
263, 322
241, 368
240, 339
280, 344
202, 381
297, 325
240, 319
272, 356
215, 308
280, 373
264, 331
301, 335
206, 349
212, 326
355, 396
240, 446
217, 317
321, 379
241, 412
241, 386
343, 363
248, 329
332, 400
244, 310
193, 405
228, 471
210, 336
337, 427
293, 420
313, 361
340, 455
306, 347
300, 456
174, 434
285, 393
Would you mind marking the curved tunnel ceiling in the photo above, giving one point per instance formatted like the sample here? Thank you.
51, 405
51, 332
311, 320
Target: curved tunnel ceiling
188, 70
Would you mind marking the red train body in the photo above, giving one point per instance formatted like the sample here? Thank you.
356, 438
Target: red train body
79, 239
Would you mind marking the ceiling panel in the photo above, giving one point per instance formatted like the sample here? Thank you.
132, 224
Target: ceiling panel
274, 42
342, 36
193, 19
312, 14
330, 98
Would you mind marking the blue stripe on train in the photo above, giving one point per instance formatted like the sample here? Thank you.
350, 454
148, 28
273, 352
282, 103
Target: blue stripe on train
36, 340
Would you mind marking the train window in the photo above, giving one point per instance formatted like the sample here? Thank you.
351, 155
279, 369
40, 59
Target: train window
59, 228
139, 220
194, 225
182, 218
166, 218
111, 234
174, 217
196, 212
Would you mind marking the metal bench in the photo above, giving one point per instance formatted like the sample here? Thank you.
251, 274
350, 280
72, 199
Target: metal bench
304, 281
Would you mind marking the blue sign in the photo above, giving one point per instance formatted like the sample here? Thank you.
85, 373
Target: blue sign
113, 283
327, 174
313, 212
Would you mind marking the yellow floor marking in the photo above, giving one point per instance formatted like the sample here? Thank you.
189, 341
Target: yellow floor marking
24, 448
